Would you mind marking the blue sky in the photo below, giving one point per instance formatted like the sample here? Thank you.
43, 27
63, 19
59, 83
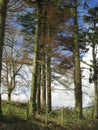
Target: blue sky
93, 3
67, 99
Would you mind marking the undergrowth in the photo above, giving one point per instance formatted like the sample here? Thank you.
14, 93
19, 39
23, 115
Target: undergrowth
15, 118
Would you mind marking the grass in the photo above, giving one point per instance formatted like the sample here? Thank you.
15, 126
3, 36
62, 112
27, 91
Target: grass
15, 118
14, 110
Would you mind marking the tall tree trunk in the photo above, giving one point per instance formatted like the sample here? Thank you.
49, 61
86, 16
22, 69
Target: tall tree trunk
43, 56
43, 84
3, 9
77, 71
48, 71
49, 83
95, 81
95, 78
39, 90
32, 104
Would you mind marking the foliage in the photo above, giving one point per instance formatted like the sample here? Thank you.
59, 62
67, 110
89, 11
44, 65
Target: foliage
54, 32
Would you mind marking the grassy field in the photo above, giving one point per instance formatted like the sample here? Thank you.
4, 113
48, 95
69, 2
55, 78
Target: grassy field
15, 118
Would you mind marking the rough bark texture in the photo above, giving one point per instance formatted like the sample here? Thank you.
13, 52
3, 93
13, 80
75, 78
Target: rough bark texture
43, 85
9, 96
39, 90
77, 72
95, 78
49, 83
3, 7
48, 71
43, 56
32, 105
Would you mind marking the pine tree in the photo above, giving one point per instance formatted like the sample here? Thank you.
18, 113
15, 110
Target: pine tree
32, 105
92, 20
77, 69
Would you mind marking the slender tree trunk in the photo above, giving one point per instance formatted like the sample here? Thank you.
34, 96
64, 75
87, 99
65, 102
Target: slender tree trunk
39, 90
94, 55
95, 99
9, 96
32, 104
3, 8
43, 85
43, 55
48, 71
49, 83
77, 71
95, 82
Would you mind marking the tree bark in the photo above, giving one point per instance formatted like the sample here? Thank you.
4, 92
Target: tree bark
48, 71
9, 96
43, 56
43, 103
77, 71
49, 83
3, 9
95, 81
39, 90
32, 104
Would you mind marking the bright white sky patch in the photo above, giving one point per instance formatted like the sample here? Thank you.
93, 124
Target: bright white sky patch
60, 98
